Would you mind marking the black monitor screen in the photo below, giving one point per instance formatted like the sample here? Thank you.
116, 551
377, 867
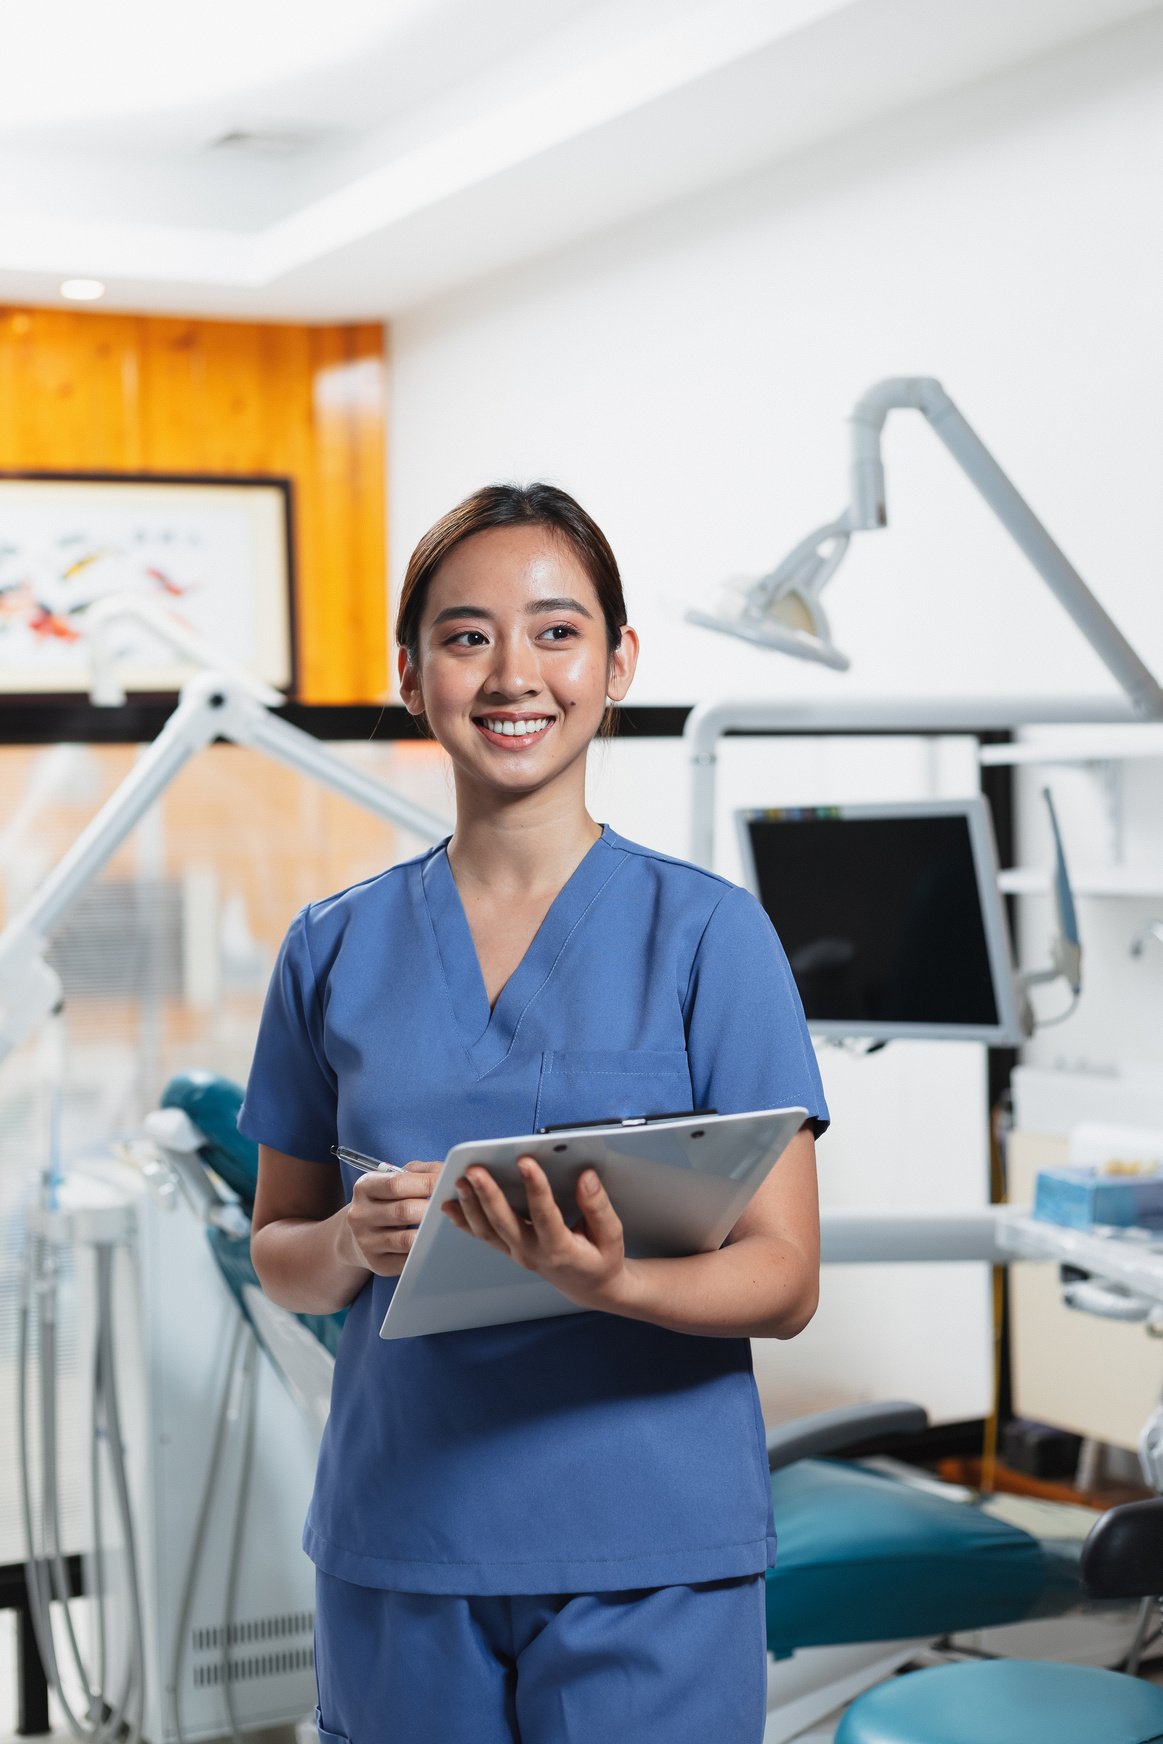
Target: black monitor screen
880, 916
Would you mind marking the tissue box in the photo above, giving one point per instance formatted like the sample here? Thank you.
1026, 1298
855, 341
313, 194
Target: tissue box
1080, 1198
1113, 1177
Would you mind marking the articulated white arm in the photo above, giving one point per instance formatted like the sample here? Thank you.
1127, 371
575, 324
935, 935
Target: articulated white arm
213, 705
869, 511
782, 609
100, 620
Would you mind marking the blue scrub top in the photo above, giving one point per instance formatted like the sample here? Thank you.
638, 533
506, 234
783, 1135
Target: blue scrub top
584, 1453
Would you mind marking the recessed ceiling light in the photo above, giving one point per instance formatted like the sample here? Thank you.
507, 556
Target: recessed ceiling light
269, 141
82, 290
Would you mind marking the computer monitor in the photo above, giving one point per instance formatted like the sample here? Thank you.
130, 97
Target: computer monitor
891, 917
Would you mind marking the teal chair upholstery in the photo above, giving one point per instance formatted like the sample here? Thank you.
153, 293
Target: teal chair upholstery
212, 1103
1031, 1702
1006, 1701
862, 1557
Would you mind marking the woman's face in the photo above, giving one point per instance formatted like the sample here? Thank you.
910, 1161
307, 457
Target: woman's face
514, 670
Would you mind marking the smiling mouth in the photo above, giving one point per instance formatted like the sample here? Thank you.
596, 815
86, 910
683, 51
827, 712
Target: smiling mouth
512, 735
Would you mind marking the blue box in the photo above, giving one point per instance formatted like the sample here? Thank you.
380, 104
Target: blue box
1081, 1197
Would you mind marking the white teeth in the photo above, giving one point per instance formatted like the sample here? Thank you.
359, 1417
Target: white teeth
515, 729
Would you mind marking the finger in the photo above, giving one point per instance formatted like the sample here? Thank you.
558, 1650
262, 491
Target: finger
388, 1213
544, 1211
473, 1212
376, 1221
603, 1224
414, 1180
456, 1217
399, 1184
466, 1213
510, 1228
383, 1244
388, 1189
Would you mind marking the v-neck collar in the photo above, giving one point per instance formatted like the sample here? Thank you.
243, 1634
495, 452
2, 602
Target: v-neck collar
488, 1035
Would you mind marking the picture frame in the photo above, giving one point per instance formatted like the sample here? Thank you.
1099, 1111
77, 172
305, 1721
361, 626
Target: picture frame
216, 551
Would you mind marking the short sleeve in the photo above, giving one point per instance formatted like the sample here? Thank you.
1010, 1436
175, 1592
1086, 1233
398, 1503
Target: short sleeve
747, 1042
291, 1093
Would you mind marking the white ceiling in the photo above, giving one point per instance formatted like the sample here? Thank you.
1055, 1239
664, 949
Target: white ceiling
415, 145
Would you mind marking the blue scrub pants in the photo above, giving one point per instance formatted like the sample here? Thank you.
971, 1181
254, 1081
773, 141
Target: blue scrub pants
659, 1665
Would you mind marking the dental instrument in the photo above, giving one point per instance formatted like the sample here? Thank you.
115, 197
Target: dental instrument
1065, 941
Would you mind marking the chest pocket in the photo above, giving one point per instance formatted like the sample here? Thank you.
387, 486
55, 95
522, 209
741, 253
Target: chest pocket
591, 1084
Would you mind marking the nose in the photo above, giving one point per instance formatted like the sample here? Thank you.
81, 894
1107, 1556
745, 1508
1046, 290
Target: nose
513, 671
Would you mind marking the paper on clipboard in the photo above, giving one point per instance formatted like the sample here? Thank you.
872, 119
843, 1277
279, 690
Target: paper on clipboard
679, 1185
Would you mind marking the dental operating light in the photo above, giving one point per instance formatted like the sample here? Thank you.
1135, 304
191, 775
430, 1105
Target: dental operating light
782, 610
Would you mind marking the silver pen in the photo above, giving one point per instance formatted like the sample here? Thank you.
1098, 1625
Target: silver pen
370, 1165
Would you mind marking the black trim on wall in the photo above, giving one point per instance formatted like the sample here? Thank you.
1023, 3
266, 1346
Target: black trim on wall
74, 720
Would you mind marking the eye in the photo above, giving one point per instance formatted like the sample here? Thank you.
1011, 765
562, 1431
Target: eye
567, 631
460, 634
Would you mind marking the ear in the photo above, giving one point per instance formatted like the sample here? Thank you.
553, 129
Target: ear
409, 684
623, 662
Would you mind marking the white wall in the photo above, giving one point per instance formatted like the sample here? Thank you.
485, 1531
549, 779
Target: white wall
688, 380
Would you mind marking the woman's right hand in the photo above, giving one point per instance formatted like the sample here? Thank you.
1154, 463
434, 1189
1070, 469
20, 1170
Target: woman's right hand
384, 1215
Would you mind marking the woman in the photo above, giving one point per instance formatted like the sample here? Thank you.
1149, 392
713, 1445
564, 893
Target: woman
554, 1531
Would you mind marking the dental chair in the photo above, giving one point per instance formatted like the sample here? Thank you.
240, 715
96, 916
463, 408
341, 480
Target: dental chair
876, 1569
867, 1563
212, 1104
1024, 1701
864, 1556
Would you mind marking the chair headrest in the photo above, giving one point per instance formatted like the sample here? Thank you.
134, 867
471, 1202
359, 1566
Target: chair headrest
1123, 1554
212, 1103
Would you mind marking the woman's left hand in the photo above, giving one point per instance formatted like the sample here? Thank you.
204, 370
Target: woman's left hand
587, 1263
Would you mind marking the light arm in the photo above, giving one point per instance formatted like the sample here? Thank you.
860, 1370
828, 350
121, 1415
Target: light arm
212, 706
782, 609
869, 510
100, 620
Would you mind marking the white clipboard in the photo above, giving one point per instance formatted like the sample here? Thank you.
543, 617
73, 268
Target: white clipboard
679, 1185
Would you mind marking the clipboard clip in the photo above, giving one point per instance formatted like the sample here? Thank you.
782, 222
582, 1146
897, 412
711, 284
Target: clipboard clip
628, 1120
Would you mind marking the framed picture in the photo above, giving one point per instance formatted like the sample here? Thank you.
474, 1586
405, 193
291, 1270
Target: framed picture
216, 553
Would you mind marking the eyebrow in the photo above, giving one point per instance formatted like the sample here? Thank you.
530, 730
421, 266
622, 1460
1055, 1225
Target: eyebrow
531, 610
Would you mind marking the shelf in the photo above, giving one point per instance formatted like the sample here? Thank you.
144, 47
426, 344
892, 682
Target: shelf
1130, 1260
1114, 744
1132, 881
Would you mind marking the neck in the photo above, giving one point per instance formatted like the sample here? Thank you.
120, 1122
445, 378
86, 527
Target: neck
523, 848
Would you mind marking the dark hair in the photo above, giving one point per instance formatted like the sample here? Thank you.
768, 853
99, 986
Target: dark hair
512, 505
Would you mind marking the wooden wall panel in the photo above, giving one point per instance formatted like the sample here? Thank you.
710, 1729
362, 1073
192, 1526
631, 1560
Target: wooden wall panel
140, 393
